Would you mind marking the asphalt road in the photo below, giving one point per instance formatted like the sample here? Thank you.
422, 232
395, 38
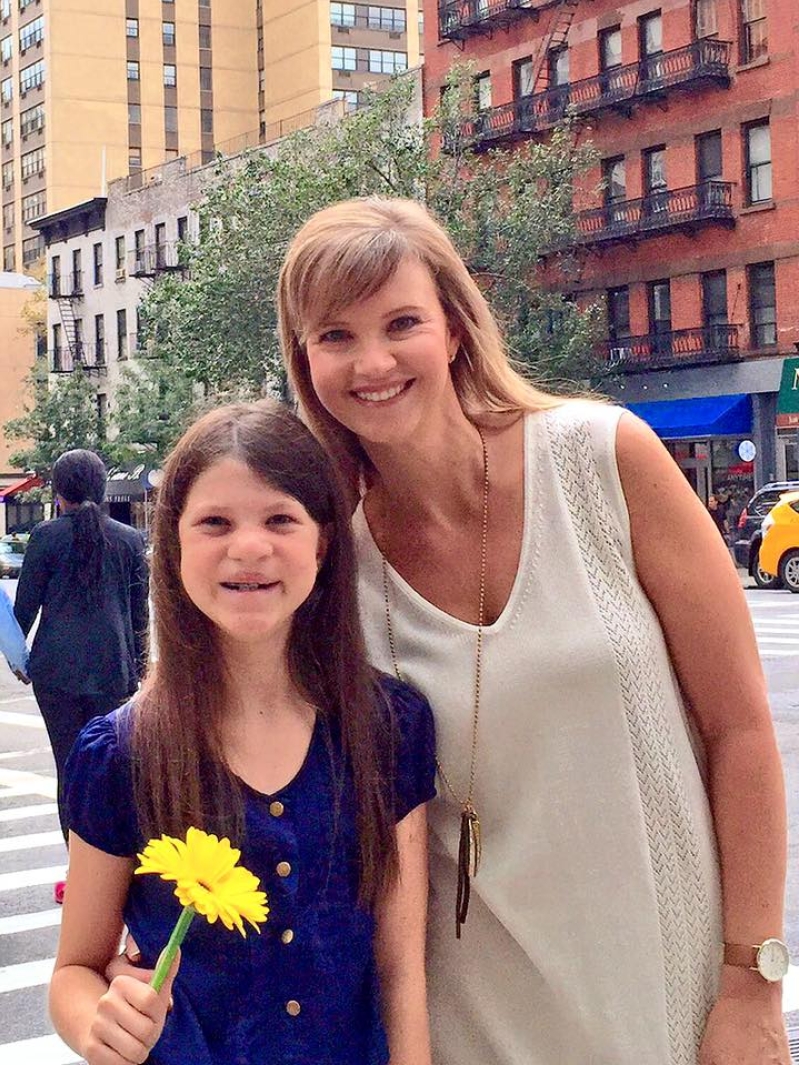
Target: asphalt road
32, 854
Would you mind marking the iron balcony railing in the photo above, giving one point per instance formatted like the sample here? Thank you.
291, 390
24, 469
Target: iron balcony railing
678, 347
624, 219
66, 286
90, 357
460, 19
620, 87
155, 259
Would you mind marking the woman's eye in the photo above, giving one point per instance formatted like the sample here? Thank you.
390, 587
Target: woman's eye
404, 322
215, 521
281, 519
334, 336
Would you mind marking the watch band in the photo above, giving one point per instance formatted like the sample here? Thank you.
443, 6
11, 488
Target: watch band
741, 956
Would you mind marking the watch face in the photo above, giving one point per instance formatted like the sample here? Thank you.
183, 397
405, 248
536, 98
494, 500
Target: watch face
772, 959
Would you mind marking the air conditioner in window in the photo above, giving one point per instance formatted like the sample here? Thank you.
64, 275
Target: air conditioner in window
394, 36
120, 274
344, 73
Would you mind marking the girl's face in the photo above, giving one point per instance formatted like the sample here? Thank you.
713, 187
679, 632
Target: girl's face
249, 553
380, 367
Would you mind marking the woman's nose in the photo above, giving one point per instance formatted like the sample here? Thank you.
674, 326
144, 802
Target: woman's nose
375, 357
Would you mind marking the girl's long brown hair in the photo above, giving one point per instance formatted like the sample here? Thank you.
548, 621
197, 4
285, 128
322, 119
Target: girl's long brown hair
180, 772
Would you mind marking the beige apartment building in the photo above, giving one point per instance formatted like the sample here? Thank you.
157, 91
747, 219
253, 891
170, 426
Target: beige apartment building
92, 90
312, 50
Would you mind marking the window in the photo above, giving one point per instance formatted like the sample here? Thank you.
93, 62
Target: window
102, 411
134, 114
8, 176
758, 162
168, 33
618, 312
7, 132
34, 206
133, 70
754, 25
55, 275
132, 27
31, 34
206, 78
714, 307
56, 347
610, 48
558, 67
351, 98
160, 245
31, 77
7, 90
134, 158
654, 173
342, 58
171, 119
659, 305
523, 77
119, 256
482, 92
705, 18
99, 338
708, 156
97, 264
386, 18
138, 246
32, 120
614, 177
122, 334
5, 9
79, 352
32, 250
10, 258
206, 121
650, 43
183, 229
8, 216
6, 48
762, 305
170, 75
204, 3
205, 36
77, 271
342, 14
383, 62
32, 163
25, 3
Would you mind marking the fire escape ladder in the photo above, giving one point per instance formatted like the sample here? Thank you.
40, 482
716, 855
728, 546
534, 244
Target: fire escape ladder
556, 37
67, 313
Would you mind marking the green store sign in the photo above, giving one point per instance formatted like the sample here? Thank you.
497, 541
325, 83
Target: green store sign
788, 399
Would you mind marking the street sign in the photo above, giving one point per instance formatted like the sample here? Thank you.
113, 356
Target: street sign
788, 399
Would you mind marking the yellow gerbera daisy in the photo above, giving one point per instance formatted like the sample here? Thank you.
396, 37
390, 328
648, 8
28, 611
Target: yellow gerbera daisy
207, 878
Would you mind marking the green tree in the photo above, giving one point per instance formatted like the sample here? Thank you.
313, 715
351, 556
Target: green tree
505, 210
60, 416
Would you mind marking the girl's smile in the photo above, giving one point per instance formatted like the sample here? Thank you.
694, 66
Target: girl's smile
249, 553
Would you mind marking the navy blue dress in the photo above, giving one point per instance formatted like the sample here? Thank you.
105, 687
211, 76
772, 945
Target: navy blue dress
236, 999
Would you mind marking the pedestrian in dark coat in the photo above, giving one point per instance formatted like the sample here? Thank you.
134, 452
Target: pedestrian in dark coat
87, 574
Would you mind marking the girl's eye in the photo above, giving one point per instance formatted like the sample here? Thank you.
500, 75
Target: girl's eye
215, 521
334, 336
403, 323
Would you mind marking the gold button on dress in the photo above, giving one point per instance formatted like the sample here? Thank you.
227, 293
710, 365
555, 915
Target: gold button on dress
276, 808
287, 935
283, 868
293, 1008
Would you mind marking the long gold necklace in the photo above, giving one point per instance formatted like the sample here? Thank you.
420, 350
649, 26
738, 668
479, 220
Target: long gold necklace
469, 843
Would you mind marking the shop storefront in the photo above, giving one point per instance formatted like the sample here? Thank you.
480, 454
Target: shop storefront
129, 495
17, 514
710, 438
788, 422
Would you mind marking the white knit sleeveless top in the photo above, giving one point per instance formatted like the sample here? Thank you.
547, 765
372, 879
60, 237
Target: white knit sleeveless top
594, 933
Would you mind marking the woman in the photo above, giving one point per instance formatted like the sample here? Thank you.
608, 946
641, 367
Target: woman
603, 728
88, 576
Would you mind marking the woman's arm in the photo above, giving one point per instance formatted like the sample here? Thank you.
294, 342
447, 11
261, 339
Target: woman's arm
687, 573
113, 1025
33, 578
400, 947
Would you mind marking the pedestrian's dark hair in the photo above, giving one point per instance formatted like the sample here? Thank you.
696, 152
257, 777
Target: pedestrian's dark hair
181, 776
79, 477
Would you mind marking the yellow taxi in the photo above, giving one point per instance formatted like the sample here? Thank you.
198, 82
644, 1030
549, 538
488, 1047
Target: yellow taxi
779, 551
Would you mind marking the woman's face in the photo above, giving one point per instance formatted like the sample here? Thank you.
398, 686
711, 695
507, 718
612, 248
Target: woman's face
380, 367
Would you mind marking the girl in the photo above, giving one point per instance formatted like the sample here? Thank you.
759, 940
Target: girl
262, 721
604, 733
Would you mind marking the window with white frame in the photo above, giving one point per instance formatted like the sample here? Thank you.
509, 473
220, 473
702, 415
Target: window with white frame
7, 132
32, 249
170, 75
351, 98
168, 33
482, 91
7, 90
34, 206
32, 33
385, 62
343, 58
6, 48
133, 70
758, 162
31, 77
8, 175
25, 3
342, 14
8, 215
5, 9
705, 18
132, 27
33, 163
386, 18
754, 24
31, 120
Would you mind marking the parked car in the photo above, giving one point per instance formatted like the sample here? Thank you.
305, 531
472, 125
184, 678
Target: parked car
10, 560
747, 546
779, 551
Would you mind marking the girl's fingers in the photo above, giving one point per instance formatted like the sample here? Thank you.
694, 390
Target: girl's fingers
121, 965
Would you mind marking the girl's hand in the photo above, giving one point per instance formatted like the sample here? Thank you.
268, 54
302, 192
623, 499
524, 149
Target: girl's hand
128, 963
129, 1021
745, 1026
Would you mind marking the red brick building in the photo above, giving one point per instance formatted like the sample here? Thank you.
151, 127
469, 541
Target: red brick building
690, 227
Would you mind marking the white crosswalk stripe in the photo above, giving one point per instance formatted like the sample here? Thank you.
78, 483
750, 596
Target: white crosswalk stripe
46, 1050
775, 615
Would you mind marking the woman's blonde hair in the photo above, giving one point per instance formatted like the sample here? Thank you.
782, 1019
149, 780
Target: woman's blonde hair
346, 253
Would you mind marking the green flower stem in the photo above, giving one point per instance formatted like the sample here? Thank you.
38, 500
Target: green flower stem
172, 947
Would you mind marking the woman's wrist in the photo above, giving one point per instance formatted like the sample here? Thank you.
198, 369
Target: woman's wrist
738, 982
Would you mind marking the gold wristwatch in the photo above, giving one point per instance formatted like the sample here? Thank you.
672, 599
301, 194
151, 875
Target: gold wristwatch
769, 958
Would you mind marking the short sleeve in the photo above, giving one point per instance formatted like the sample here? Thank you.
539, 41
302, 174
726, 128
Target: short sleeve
415, 747
98, 787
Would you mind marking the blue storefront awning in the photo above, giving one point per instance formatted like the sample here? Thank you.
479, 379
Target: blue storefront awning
676, 419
